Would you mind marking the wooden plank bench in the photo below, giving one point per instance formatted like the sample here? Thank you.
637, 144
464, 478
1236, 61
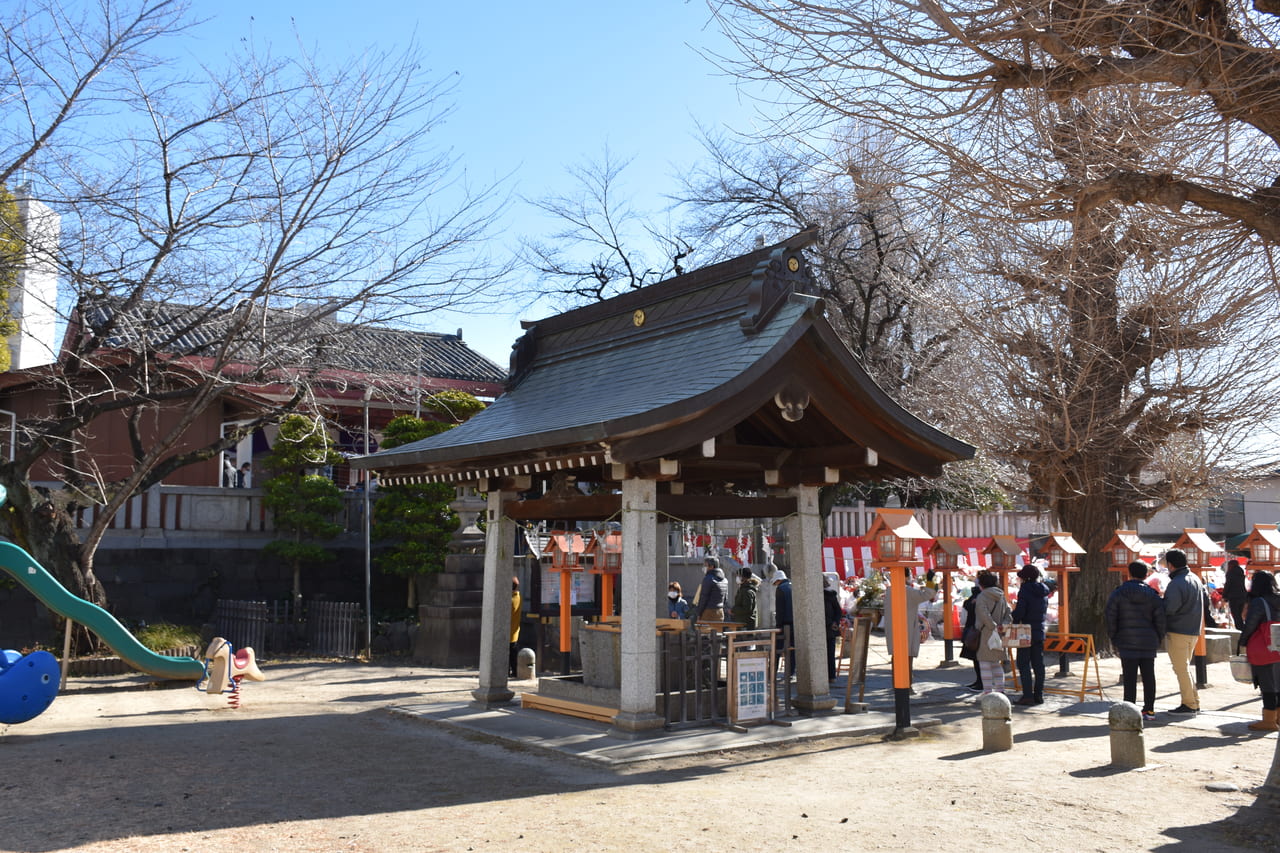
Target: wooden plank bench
583, 710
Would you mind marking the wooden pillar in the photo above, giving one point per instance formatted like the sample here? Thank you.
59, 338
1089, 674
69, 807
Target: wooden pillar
639, 654
495, 616
804, 536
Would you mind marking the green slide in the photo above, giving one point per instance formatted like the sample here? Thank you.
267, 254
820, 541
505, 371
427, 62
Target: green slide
26, 571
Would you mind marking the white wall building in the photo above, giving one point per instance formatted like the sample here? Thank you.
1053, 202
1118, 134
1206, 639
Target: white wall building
33, 302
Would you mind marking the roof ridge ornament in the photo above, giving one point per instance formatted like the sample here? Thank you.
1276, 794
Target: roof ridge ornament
775, 278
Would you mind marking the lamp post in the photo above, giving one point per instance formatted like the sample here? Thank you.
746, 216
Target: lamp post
1003, 554
1061, 550
946, 552
1263, 545
1125, 547
894, 533
368, 550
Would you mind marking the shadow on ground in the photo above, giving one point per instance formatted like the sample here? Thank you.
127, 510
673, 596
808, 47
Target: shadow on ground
67, 789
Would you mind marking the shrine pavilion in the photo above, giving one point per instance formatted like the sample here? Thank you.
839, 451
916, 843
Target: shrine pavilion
721, 393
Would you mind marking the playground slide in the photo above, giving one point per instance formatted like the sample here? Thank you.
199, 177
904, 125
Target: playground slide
26, 571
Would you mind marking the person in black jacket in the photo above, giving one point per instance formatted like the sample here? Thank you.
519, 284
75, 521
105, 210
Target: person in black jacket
1264, 607
833, 613
1235, 592
1033, 603
971, 624
1136, 624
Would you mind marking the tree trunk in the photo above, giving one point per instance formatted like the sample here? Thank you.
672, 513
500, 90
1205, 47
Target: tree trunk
40, 524
1092, 524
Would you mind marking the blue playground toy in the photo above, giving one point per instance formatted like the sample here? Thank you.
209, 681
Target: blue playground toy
28, 685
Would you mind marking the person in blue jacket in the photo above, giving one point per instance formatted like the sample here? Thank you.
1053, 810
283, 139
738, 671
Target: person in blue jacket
1136, 625
1184, 607
1033, 603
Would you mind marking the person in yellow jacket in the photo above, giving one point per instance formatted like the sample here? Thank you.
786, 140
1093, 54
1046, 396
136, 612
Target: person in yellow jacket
515, 625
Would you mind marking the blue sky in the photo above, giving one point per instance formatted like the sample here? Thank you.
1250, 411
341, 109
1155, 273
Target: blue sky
539, 86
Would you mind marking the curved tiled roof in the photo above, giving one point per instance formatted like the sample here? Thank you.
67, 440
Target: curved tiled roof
196, 330
662, 368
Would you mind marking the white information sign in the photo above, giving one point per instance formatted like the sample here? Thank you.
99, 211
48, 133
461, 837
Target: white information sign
752, 688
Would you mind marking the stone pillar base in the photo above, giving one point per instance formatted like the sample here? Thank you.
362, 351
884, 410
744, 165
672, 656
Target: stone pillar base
633, 726
491, 697
825, 702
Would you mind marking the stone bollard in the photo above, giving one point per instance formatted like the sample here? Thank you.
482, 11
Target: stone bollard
1128, 746
997, 728
525, 660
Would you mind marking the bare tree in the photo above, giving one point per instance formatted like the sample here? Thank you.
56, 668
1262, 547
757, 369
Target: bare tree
213, 232
1125, 350
597, 250
933, 69
877, 256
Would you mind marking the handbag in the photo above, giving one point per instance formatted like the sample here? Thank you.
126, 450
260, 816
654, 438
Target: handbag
1259, 649
1017, 636
972, 638
995, 642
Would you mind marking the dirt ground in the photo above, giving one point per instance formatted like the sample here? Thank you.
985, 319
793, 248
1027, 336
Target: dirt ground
313, 761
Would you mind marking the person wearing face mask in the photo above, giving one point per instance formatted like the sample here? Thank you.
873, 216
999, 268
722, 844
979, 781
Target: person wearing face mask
677, 607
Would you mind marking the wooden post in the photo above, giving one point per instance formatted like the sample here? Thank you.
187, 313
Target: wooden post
66, 654
566, 620
948, 620
1200, 659
606, 594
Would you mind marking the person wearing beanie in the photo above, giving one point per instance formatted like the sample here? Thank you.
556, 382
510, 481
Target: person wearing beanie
1184, 615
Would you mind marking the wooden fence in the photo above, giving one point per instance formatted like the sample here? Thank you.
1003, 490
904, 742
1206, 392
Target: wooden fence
856, 520
332, 628
243, 623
